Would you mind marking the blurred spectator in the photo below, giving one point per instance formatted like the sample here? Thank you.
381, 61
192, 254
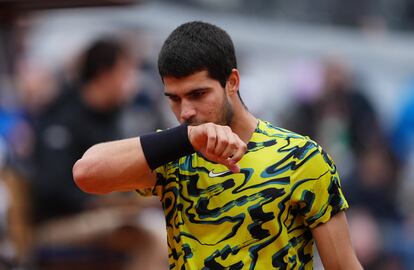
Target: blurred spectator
374, 184
344, 121
83, 115
338, 116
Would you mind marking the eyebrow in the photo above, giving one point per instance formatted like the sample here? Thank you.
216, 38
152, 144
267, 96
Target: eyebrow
188, 93
169, 94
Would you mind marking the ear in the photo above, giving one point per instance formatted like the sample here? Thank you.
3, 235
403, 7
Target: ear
233, 82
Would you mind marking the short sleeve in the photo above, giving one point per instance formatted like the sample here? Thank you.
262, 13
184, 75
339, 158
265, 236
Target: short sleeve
316, 192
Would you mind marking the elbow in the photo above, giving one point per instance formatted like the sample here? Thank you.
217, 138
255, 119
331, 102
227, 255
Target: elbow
81, 176
84, 178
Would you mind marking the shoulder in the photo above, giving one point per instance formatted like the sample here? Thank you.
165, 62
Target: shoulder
286, 139
265, 128
304, 155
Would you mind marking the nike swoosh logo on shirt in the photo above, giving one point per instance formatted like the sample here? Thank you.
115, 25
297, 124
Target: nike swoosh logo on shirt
213, 174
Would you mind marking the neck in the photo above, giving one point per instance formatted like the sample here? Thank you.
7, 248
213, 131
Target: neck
243, 123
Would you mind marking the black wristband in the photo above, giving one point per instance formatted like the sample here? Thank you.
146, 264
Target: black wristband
164, 146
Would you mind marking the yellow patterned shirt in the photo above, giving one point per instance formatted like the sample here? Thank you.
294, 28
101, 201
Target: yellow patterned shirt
259, 218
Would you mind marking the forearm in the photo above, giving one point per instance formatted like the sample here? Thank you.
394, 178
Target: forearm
128, 164
113, 166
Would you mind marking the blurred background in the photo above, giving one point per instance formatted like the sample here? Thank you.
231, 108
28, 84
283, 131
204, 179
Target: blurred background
341, 72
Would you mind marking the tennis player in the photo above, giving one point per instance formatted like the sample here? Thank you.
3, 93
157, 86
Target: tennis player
237, 191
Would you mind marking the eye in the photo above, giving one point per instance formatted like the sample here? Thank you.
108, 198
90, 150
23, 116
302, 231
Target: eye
174, 98
197, 94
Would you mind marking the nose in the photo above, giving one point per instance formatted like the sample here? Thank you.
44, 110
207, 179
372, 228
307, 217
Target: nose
188, 111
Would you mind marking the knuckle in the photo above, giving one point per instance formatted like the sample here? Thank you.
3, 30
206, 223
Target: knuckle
224, 142
206, 127
233, 145
211, 138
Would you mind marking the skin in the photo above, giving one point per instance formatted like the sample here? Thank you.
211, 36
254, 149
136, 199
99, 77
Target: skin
220, 127
202, 101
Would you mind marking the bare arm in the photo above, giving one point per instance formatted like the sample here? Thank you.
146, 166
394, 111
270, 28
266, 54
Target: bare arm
121, 165
334, 244
113, 166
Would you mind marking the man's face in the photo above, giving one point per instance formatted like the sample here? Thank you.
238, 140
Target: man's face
198, 99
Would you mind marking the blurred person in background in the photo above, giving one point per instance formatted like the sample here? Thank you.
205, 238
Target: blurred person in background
338, 115
343, 120
85, 113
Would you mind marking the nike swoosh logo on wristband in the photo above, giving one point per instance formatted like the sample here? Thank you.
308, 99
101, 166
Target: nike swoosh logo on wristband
213, 174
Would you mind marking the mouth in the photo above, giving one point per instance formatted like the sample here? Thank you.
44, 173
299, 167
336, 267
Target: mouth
193, 122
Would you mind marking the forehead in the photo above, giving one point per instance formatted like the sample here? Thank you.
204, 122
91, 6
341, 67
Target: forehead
200, 79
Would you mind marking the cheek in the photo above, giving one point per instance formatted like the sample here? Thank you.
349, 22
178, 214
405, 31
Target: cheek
208, 110
175, 108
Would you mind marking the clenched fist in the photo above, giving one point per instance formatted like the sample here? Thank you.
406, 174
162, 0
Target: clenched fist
218, 143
